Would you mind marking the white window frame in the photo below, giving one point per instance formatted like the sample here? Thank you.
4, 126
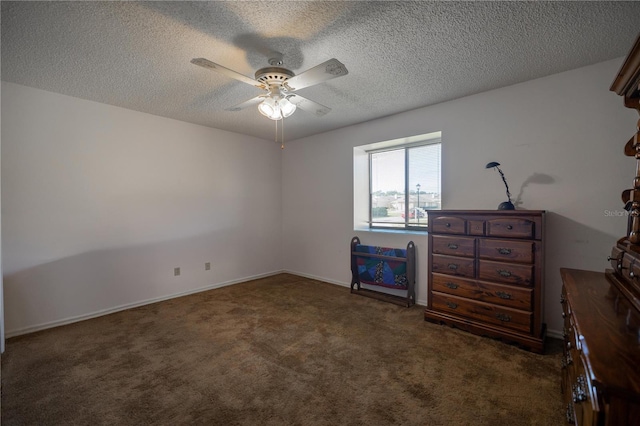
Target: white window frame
363, 194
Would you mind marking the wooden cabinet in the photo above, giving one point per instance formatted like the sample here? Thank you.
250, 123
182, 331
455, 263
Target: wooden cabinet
486, 273
601, 359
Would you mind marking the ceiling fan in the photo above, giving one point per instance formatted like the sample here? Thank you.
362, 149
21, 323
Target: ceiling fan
280, 101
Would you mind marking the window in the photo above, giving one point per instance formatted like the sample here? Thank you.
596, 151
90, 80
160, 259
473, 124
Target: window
404, 182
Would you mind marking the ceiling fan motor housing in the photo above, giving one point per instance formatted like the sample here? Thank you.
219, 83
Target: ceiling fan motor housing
273, 76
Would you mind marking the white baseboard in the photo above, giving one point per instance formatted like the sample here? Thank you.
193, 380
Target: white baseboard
70, 320
555, 334
31, 329
340, 283
314, 277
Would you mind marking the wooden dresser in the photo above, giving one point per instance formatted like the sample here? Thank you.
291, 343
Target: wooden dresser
601, 360
486, 273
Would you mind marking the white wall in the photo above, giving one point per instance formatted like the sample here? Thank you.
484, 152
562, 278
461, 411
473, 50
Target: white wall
100, 203
559, 139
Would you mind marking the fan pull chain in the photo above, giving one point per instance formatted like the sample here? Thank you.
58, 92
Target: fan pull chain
281, 133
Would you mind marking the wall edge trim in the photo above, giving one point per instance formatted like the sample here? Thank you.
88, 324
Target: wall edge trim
420, 303
102, 312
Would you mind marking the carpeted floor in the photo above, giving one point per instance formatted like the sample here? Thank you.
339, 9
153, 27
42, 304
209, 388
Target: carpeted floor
283, 350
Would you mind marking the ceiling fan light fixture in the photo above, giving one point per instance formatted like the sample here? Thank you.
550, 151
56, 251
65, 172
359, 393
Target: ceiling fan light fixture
269, 108
286, 107
277, 115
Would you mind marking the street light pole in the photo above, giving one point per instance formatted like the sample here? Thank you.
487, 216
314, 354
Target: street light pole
417, 213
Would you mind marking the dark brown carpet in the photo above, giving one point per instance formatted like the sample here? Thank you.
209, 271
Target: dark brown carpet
283, 350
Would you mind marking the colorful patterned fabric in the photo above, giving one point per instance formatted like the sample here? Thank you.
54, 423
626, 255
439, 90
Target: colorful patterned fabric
383, 272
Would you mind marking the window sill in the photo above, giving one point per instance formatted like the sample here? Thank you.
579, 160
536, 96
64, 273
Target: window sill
392, 231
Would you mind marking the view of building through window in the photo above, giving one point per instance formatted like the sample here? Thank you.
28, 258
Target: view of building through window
404, 183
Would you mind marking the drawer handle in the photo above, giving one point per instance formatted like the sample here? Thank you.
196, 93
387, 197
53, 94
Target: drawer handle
504, 251
447, 225
503, 317
509, 227
452, 246
567, 360
570, 414
579, 390
451, 285
503, 295
453, 266
503, 273
452, 305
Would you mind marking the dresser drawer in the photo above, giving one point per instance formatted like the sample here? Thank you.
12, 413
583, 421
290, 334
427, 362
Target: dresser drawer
452, 265
580, 390
510, 273
566, 308
514, 297
573, 338
475, 227
569, 336
448, 225
507, 250
630, 267
510, 227
457, 246
616, 259
486, 312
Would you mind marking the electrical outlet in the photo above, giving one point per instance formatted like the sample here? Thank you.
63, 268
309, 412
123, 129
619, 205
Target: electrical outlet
207, 266
176, 271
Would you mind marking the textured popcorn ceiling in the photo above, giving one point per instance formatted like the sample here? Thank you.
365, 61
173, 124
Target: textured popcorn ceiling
400, 55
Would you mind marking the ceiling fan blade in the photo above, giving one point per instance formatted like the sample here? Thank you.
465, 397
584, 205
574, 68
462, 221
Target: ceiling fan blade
325, 71
248, 103
205, 63
308, 105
